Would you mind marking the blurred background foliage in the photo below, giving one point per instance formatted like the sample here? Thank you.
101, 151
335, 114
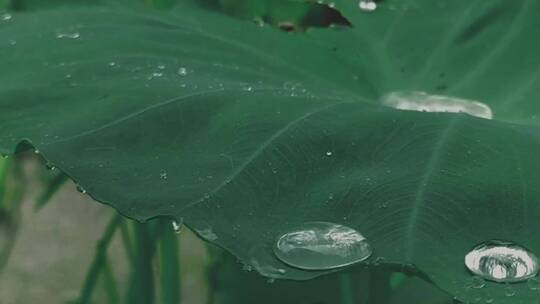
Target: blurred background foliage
64, 248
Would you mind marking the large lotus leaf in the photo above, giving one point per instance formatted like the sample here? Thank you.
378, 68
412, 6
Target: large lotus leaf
246, 132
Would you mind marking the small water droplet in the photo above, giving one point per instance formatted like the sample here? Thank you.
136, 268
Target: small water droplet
367, 5
50, 166
182, 71
322, 245
502, 261
534, 283
161, 66
81, 189
206, 195
207, 234
177, 226
112, 64
329, 153
155, 75
5, 17
68, 35
36, 151
489, 300
331, 196
163, 174
509, 291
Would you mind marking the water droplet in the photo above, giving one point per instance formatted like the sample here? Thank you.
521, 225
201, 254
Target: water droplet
367, 5
489, 300
81, 189
329, 153
423, 102
206, 195
534, 283
36, 151
163, 174
112, 64
322, 245
509, 291
161, 66
502, 261
476, 283
50, 166
207, 234
182, 71
177, 226
155, 75
68, 35
5, 17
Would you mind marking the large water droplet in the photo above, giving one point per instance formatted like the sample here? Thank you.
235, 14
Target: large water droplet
322, 245
502, 261
423, 102
367, 5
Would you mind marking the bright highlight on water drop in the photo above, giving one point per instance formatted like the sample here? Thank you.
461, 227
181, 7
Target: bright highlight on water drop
502, 261
423, 102
322, 245
367, 5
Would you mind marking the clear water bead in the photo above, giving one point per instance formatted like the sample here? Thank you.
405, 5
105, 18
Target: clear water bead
424, 102
73, 35
322, 245
182, 71
367, 5
502, 261
177, 226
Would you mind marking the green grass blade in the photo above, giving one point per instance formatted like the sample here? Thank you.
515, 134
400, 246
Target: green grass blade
51, 188
109, 284
141, 285
99, 261
169, 266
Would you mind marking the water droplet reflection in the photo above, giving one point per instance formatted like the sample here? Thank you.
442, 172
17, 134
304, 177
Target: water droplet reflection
423, 102
367, 5
502, 261
322, 245
177, 226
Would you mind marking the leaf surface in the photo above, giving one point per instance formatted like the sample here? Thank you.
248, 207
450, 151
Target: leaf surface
246, 132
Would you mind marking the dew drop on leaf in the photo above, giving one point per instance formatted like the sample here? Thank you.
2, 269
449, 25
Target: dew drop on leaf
367, 5
182, 71
502, 261
5, 16
322, 245
163, 174
424, 102
329, 153
68, 35
81, 189
177, 226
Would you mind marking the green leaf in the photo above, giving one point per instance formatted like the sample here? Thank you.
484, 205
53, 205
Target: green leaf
247, 132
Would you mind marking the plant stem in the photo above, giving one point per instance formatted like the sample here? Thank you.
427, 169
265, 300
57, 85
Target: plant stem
110, 283
141, 285
99, 260
169, 266
380, 290
346, 289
